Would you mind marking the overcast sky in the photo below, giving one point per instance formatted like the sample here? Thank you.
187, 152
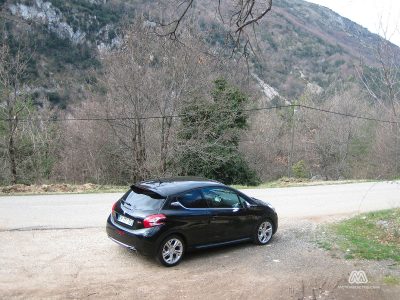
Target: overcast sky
369, 13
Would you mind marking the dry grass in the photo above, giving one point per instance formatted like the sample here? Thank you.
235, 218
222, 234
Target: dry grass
294, 182
59, 188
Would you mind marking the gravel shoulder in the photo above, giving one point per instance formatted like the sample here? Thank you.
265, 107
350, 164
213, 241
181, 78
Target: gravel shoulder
81, 263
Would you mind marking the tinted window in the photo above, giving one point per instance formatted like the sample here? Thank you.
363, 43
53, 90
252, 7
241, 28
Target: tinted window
192, 199
221, 198
142, 200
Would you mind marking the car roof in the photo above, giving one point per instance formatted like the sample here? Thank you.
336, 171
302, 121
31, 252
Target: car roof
175, 185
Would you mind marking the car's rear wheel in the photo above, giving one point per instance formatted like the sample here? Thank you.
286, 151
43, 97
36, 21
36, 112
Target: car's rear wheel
264, 231
171, 251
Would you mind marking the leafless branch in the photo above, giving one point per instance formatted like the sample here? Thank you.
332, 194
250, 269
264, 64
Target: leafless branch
237, 17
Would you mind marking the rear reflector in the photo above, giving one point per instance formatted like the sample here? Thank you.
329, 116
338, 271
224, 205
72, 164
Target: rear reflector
154, 220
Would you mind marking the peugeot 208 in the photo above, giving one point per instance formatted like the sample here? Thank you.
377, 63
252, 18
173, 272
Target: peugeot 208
166, 218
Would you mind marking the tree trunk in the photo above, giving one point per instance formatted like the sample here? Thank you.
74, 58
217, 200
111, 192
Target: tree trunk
139, 152
165, 132
11, 145
11, 155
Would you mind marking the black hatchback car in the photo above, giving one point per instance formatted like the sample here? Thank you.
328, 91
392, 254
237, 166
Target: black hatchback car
167, 217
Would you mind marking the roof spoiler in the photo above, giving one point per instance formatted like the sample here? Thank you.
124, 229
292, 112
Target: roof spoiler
143, 190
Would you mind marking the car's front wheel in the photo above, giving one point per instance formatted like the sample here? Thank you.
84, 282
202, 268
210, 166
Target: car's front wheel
264, 232
171, 251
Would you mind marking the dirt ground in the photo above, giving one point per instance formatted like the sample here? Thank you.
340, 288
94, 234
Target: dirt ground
84, 263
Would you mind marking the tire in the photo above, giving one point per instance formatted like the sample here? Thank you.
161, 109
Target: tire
263, 232
172, 243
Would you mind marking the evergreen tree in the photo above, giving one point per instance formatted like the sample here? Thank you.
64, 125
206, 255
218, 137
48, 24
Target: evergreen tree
209, 137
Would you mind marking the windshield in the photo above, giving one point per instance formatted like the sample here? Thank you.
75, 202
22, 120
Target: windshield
140, 199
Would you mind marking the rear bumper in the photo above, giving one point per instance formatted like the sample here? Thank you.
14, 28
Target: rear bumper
145, 241
122, 244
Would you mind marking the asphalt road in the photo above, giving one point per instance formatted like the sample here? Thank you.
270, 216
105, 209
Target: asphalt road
55, 246
91, 210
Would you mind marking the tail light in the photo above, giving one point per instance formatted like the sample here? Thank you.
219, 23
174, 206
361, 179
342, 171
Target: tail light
114, 205
154, 220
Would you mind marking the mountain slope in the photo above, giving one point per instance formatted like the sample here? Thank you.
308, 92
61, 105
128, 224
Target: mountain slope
66, 38
302, 45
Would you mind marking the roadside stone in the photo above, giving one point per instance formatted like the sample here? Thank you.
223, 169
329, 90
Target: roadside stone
317, 178
383, 224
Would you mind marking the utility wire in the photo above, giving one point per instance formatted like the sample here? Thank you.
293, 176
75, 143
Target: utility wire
225, 111
347, 115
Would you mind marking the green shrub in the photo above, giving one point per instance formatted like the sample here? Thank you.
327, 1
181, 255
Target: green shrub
299, 169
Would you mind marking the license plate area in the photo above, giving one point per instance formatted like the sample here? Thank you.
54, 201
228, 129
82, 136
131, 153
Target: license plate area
125, 220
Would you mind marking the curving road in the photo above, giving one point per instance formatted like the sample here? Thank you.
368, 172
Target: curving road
91, 210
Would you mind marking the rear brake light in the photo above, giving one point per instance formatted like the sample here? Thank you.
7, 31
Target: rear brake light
154, 220
114, 205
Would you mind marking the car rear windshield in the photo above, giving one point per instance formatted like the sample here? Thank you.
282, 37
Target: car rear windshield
142, 199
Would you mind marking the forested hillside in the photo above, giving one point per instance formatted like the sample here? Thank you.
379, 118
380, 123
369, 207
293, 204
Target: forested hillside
89, 92
299, 43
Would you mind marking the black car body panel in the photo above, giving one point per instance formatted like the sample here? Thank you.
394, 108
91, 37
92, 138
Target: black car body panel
199, 227
193, 225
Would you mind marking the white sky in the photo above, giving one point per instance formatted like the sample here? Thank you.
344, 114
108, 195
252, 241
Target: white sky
370, 14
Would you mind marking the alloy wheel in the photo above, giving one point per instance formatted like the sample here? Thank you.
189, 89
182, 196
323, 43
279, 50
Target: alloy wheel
264, 232
172, 251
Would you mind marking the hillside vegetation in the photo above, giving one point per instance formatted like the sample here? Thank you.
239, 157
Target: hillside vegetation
300, 43
89, 93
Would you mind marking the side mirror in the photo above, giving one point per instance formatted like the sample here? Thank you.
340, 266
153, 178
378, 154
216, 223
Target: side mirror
176, 204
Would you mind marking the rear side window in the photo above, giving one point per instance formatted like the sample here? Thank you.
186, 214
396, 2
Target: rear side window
192, 199
141, 199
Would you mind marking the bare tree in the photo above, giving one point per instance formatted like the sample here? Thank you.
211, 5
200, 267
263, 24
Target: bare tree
238, 17
330, 146
14, 103
382, 82
149, 76
138, 104
334, 139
